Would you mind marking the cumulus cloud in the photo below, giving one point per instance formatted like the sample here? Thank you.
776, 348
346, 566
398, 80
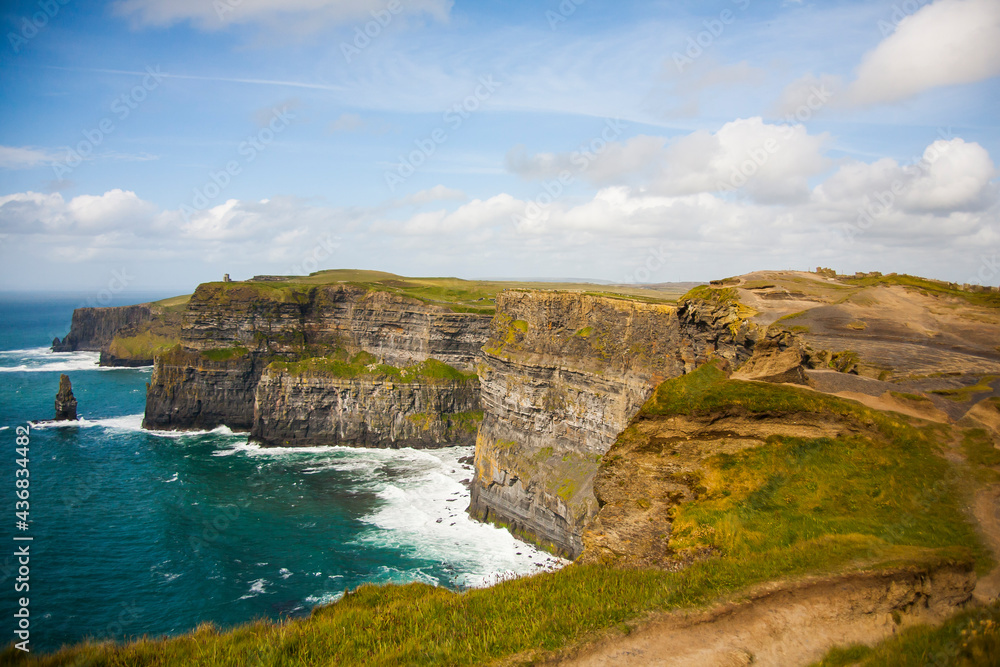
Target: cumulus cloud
944, 205
303, 14
951, 176
945, 43
38, 213
768, 162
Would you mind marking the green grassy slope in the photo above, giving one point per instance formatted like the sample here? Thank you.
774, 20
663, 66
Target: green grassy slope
791, 507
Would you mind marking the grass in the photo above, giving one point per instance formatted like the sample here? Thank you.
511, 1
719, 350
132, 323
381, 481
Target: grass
717, 295
342, 365
930, 288
977, 445
963, 394
920, 398
794, 506
460, 296
795, 490
141, 346
969, 639
174, 303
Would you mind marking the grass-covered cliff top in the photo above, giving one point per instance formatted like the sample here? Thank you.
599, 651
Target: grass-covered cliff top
472, 296
828, 287
882, 495
364, 365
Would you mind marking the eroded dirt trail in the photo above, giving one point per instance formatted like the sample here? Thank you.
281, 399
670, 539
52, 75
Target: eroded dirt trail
789, 624
987, 512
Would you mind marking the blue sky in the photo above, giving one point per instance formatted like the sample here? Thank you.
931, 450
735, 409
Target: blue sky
177, 140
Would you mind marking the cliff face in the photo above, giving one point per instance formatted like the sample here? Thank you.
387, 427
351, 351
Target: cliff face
284, 320
562, 374
95, 328
191, 391
232, 331
314, 408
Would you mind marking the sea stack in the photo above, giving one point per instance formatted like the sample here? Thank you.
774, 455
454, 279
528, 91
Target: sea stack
65, 401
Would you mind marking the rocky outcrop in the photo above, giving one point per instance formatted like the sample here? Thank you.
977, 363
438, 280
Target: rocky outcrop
65, 401
562, 374
778, 357
94, 328
316, 408
232, 331
190, 390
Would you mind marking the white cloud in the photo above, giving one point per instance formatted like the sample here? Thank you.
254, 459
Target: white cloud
26, 157
303, 15
809, 94
945, 43
37, 213
768, 162
945, 208
952, 176
437, 193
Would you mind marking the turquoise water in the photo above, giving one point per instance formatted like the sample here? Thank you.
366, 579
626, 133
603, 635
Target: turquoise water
142, 533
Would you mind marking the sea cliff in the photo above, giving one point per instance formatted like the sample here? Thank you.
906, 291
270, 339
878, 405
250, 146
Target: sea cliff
562, 374
289, 363
310, 403
94, 328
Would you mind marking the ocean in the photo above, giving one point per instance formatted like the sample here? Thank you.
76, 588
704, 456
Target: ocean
152, 533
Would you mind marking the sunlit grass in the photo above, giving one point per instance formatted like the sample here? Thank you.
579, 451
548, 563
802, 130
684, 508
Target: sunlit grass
879, 497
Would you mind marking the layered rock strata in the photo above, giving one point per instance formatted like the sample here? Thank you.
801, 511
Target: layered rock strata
65, 401
94, 328
233, 331
315, 408
562, 374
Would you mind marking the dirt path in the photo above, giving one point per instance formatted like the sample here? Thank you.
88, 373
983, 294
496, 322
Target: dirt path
789, 624
986, 508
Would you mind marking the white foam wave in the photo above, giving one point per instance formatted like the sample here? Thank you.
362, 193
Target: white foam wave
44, 360
424, 514
172, 479
325, 599
218, 430
256, 588
133, 423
